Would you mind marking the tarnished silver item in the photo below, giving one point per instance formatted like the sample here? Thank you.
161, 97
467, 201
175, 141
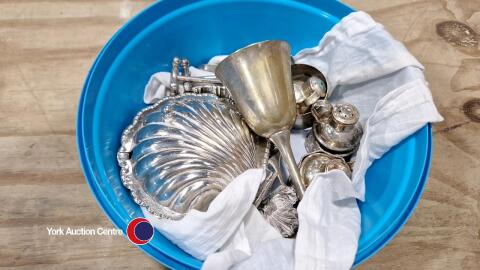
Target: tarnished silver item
275, 200
182, 82
275, 162
274, 177
259, 79
264, 189
303, 121
181, 152
311, 90
309, 85
322, 110
320, 162
302, 72
311, 143
338, 132
279, 210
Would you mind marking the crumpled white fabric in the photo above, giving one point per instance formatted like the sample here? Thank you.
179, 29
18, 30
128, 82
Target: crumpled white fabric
396, 115
254, 231
203, 233
356, 50
364, 66
330, 228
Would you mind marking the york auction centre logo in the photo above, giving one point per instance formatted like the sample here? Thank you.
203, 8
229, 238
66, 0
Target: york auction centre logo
140, 231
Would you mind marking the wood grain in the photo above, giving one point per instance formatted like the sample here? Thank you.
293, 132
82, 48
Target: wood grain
46, 49
444, 231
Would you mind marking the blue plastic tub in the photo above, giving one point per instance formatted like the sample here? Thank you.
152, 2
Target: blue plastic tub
113, 91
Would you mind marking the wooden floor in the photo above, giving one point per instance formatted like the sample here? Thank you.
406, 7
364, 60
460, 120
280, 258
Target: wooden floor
46, 49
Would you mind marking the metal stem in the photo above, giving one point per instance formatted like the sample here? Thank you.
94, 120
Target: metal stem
282, 141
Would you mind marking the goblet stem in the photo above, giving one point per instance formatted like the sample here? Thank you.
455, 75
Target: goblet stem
282, 140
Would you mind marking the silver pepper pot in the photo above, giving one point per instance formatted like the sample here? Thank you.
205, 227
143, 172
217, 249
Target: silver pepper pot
337, 128
309, 85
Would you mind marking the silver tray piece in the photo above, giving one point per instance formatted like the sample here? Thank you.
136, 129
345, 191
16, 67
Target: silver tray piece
180, 153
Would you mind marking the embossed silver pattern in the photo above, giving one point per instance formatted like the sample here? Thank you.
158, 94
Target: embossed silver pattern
280, 211
181, 152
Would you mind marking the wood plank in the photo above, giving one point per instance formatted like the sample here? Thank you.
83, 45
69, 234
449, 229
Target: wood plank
47, 47
444, 231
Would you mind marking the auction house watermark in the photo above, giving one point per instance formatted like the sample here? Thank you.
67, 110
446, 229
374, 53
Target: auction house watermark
83, 231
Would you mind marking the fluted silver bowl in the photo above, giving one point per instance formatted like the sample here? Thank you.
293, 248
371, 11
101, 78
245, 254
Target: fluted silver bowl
180, 153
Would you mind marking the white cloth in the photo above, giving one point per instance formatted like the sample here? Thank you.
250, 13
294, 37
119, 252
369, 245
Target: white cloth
254, 231
364, 66
398, 114
329, 228
203, 233
356, 50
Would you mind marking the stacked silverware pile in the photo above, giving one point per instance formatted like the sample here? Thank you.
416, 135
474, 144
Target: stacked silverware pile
180, 153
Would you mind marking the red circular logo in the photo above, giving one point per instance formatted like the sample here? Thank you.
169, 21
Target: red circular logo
140, 231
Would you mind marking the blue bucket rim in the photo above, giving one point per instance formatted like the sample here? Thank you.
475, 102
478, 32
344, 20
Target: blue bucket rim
171, 262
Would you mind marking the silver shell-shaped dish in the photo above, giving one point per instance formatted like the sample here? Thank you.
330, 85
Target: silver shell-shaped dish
180, 153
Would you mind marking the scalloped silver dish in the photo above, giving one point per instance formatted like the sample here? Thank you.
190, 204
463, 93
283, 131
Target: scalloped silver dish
180, 153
